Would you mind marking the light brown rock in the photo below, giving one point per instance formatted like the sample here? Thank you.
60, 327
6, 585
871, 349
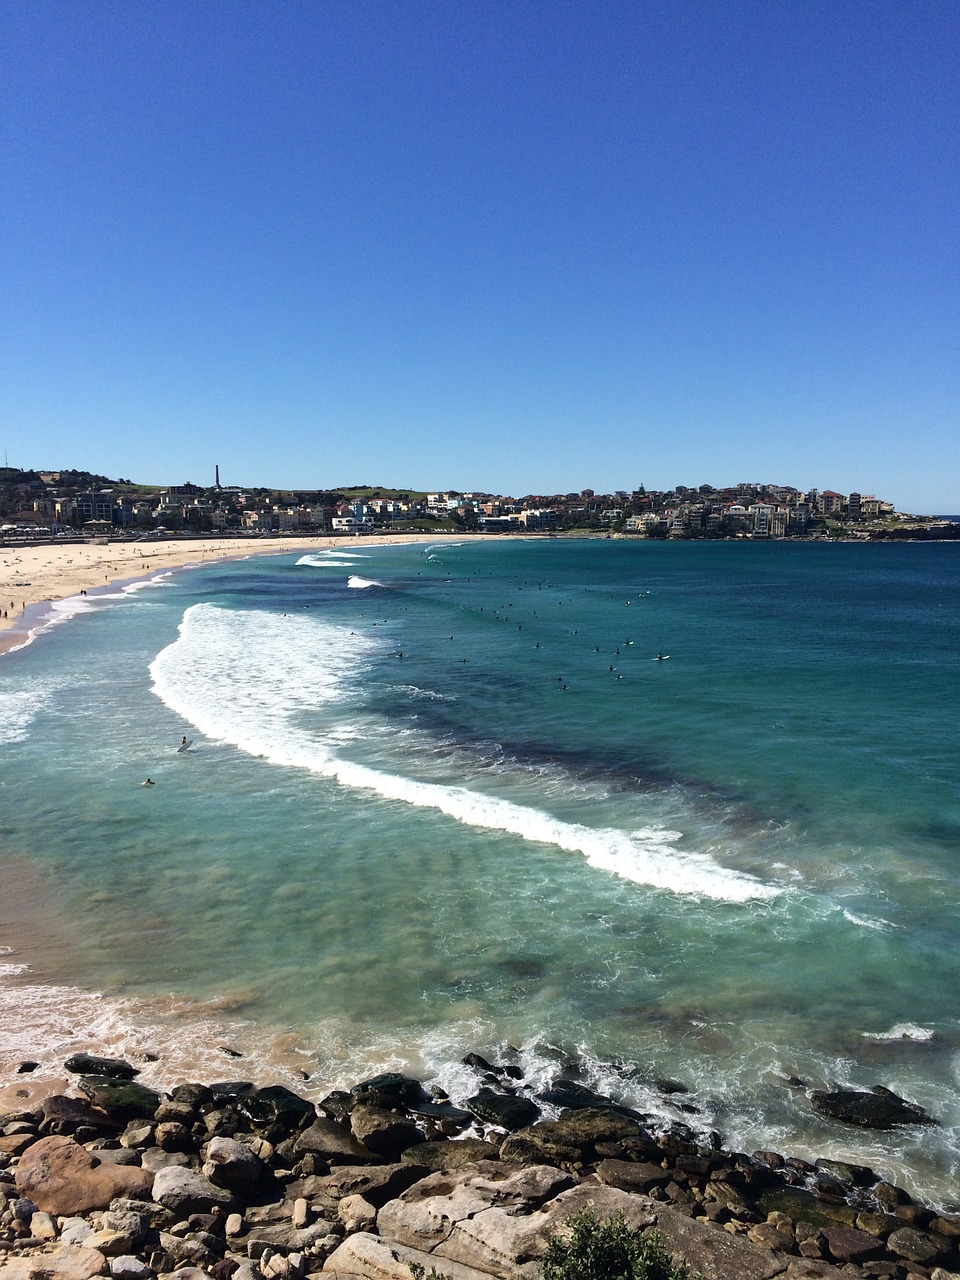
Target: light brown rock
60, 1177
70, 1262
372, 1258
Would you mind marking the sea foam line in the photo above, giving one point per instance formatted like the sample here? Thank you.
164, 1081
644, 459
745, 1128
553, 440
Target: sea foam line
240, 678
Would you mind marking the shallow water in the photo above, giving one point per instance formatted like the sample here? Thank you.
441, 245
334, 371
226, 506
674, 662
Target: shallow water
733, 864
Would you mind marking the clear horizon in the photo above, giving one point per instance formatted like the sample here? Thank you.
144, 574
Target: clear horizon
520, 249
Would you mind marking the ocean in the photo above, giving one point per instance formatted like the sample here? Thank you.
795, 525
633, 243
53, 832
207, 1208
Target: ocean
634, 810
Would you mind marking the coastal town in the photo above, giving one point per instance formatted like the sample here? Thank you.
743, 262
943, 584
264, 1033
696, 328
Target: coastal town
41, 504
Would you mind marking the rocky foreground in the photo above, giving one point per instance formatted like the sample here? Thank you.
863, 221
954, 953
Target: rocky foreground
230, 1180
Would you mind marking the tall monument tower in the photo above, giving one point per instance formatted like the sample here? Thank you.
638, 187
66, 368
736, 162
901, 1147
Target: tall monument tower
218, 477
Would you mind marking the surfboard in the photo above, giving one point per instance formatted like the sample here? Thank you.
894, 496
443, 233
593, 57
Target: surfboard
184, 746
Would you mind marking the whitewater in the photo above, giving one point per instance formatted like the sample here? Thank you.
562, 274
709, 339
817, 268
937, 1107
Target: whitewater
443, 799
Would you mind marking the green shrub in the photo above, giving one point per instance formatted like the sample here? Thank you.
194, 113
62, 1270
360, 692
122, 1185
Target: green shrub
608, 1250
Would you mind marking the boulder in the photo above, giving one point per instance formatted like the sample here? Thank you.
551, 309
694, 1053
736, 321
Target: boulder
232, 1165
503, 1109
376, 1183
70, 1262
426, 1215
572, 1096
372, 1258
275, 1104
183, 1192
127, 1267
399, 1089
88, 1064
573, 1138
327, 1138
716, 1255
385, 1133
877, 1109
122, 1100
504, 1241
847, 1244
630, 1175
63, 1115
63, 1178
916, 1246
450, 1155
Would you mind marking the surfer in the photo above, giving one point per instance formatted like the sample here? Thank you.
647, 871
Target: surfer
148, 782
183, 741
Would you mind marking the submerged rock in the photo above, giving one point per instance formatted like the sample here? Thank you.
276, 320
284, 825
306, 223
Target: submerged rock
877, 1109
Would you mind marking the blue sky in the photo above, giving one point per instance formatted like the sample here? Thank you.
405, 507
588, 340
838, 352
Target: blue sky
521, 247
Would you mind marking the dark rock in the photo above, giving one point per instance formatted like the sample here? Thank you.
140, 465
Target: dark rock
572, 1139
337, 1105
510, 1070
386, 1133
849, 1175
917, 1246
846, 1244
878, 1109
224, 1122
327, 1138
435, 1156
228, 1090
629, 1175
669, 1087
24, 1067
880, 1225
503, 1110
802, 1206
400, 1089
86, 1064
192, 1095
446, 1111
567, 1093
64, 1115
276, 1105
120, 1099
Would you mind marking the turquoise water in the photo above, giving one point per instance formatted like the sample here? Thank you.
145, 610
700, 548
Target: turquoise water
446, 798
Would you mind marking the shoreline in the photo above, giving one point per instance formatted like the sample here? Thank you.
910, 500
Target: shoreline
227, 550
388, 1177
34, 575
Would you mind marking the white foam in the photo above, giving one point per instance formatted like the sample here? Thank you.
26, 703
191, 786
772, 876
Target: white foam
361, 583
333, 558
321, 561
18, 710
865, 922
900, 1031
241, 677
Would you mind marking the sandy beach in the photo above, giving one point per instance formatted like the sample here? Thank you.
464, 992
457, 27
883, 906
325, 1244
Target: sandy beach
34, 574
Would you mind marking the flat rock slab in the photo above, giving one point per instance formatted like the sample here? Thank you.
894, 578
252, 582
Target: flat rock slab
717, 1255
70, 1262
62, 1178
368, 1257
